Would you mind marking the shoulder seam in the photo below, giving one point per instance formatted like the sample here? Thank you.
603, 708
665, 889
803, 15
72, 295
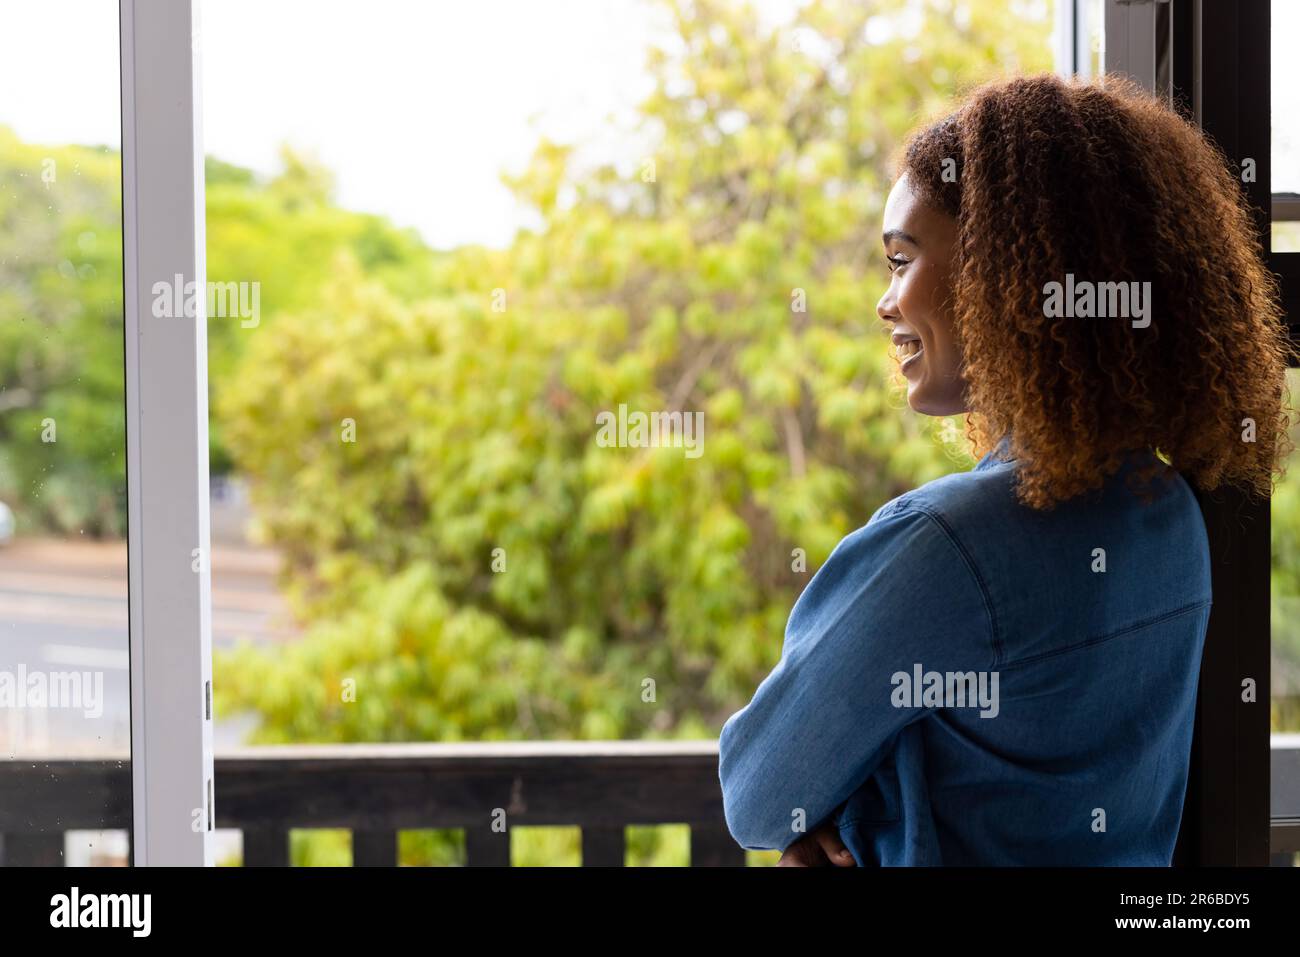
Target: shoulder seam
994, 635
1117, 633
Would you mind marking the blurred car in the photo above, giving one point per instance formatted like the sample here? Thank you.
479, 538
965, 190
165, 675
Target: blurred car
6, 524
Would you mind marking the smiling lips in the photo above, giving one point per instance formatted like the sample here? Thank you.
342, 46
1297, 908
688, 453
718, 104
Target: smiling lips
906, 348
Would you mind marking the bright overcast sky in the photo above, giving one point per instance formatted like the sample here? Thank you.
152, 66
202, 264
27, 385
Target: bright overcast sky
415, 106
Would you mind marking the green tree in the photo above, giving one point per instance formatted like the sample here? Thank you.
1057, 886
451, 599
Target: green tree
61, 318
1285, 593
731, 269
62, 421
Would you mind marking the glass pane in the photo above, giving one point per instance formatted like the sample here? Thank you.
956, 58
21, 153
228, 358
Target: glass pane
1286, 589
1285, 670
1285, 81
451, 261
64, 693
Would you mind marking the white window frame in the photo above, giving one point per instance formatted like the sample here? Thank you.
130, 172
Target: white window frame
167, 437
1073, 53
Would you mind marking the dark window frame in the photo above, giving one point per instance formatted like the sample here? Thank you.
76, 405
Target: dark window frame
1220, 77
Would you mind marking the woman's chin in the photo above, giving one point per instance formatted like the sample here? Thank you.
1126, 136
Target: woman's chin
923, 402
920, 409
918, 400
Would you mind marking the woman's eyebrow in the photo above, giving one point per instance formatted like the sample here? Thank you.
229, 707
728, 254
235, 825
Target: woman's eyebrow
892, 234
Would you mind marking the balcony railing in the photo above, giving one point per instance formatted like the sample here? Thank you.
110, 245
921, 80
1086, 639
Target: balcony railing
1284, 797
375, 791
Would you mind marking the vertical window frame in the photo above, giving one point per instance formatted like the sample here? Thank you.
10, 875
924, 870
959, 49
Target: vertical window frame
167, 435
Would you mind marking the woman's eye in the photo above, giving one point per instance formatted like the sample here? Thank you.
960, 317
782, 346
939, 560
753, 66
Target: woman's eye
895, 262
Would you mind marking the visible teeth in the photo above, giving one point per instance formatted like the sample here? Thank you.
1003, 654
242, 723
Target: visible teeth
909, 348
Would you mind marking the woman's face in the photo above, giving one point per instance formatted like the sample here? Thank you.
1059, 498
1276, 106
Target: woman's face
920, 242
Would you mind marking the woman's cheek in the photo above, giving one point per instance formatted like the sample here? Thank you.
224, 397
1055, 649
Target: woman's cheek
909, 303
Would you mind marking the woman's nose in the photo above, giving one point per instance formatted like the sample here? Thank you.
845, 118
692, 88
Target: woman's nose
885, 308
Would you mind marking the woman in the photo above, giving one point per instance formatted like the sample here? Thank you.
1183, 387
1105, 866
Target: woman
1001, 666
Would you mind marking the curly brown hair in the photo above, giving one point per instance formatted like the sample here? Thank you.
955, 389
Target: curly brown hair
1102, 180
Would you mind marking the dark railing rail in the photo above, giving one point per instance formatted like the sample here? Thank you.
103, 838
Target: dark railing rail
378, 790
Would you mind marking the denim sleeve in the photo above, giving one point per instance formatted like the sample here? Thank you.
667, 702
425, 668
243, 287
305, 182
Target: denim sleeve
896, 593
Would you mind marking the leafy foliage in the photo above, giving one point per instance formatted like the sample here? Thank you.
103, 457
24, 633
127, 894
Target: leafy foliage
61, 339
61, 376
1285, 594
732, 270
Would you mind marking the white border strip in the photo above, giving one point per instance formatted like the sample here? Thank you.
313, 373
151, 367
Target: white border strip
167, 437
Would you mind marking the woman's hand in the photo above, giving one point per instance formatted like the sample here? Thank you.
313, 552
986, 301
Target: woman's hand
821, 847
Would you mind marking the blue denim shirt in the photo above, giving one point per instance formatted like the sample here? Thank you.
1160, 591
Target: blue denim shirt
1056, 727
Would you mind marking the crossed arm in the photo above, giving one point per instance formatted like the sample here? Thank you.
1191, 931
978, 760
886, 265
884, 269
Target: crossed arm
895, 593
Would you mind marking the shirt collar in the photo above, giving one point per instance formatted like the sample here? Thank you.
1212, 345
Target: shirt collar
998, 455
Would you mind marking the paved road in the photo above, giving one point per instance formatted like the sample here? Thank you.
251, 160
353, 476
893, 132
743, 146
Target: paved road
63, 607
